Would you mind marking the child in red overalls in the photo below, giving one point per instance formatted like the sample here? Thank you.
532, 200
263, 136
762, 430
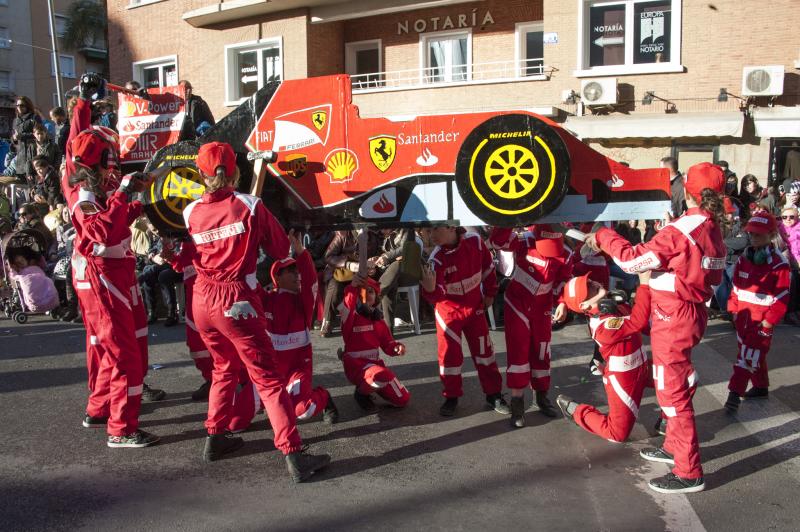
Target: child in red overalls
760, 296
364, 332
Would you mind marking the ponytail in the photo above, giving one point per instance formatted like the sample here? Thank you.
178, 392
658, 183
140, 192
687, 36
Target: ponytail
88, 179
220, 179
712, 203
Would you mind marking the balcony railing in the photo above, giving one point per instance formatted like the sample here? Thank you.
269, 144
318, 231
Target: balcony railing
415, 78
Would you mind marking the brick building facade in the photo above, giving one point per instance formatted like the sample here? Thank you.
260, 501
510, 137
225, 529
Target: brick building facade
670, 59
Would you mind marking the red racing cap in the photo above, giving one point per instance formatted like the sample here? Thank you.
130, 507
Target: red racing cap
761, 222
215, 154
576, 291
278, 266
704, 175
549, 242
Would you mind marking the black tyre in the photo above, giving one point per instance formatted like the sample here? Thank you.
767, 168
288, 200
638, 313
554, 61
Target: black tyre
21, 318
512, 170
166, 198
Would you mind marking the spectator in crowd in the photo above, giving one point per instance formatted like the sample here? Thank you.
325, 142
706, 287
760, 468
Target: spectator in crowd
45, 148
47, 184
736, 240
48, 124
729, 175
22, 136
149, 281
750, 193
790, 232
197, 112
676, 183
106, 115
65, 234
29, 218
61, 120
388, 266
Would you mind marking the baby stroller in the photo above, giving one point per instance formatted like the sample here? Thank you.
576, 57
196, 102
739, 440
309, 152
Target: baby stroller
31, 243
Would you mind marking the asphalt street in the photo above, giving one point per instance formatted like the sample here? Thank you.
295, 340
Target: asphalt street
406, 469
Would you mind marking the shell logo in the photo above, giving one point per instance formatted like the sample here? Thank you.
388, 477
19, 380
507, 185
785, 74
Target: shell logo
341, 165
130, 109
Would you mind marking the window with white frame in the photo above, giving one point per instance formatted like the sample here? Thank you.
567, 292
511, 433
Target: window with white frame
250, 66
5, 38
530, 48
61, 25
67, 65
156, 73
6, 84
447, 57
629, 36
364, 63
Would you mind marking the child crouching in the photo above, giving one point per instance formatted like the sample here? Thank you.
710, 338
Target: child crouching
364, 332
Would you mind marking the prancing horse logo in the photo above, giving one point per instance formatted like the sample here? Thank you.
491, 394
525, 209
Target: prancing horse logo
382, 150
319, 118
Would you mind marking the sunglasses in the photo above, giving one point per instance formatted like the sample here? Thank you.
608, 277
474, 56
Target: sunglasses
791, 217
21, 105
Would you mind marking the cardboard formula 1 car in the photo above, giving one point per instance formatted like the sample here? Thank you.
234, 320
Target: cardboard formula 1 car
319, 164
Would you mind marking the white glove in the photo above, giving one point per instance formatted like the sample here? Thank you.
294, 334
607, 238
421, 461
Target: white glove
241, 309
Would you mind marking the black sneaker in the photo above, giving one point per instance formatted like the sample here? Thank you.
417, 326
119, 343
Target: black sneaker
77, 319
544, 404
69, 315
330, 414
671, 483
139, 438
732, 404
448, 408
497, 403
567, 407
171, 320
151, 318
365, 402
152, 395
518, 412
657, 454
596, 367
220, 444
661, 426
302, 465
201, 394
94, 422
756, 393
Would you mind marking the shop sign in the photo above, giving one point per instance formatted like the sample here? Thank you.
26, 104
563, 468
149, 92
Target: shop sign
461, 20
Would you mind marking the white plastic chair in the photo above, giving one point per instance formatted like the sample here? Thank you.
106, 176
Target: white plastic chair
413, 304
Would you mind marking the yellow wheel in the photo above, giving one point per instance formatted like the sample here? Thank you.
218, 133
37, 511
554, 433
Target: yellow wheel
180, 188
511, 171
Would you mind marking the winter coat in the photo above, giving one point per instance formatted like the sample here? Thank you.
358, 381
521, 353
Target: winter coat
26, 142
791, 235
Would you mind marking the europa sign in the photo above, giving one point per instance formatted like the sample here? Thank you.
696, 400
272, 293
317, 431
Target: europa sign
461, 20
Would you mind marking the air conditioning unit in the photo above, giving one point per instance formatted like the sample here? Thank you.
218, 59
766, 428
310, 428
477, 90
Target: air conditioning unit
599, 91
762, 80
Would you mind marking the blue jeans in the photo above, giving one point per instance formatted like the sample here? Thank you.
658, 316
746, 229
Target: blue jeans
723, 291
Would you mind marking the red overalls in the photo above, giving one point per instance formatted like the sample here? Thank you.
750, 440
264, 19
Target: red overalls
289, 317
687, 258
362, 361
529, 305
760, 292
228, 228
464, 275
626, 372
104, 277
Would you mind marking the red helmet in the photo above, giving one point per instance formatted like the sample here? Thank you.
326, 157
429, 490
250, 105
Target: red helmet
97, 146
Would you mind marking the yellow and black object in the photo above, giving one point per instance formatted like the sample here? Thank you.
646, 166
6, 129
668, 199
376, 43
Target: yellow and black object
512, 170
165, 200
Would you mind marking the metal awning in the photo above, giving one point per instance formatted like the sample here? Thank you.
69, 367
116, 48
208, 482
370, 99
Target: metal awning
726, 124
777, 122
